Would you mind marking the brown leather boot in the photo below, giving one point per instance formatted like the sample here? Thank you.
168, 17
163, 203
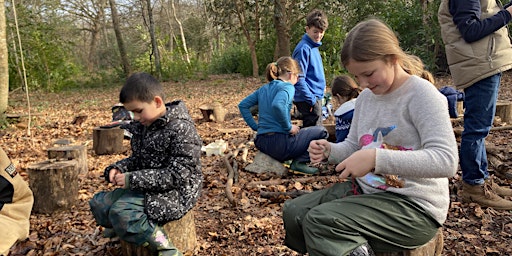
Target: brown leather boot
485, 196
500, 190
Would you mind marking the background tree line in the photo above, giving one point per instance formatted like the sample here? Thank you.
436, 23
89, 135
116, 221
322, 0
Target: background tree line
78, 43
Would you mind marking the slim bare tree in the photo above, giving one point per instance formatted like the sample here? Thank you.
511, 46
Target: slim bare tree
4, 65
119, 38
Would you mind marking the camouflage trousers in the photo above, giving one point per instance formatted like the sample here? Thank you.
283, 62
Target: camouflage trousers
123, 211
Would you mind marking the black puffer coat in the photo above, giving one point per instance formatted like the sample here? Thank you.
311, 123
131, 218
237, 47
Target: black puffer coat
165, 164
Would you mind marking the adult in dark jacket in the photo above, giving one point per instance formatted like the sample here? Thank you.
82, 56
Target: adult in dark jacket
478, 50
162, 179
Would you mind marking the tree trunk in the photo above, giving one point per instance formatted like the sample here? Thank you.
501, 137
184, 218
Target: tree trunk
4, 66
97, 26
282, 28
119, 38
183, 40
154, 43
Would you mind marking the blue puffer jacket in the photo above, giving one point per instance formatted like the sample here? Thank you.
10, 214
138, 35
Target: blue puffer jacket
165, 164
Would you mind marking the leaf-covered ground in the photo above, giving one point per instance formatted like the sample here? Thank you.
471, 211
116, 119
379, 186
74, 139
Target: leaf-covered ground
253, 226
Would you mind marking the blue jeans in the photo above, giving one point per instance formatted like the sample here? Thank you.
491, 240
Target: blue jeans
480, 103
284, 147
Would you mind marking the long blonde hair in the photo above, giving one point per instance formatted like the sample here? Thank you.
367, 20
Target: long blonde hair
372, 40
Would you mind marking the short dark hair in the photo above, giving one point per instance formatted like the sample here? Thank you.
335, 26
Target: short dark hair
141, 86
318, 19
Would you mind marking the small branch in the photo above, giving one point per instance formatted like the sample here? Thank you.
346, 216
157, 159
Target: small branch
229, 183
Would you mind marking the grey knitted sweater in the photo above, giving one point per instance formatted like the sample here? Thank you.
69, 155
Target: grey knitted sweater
414, 120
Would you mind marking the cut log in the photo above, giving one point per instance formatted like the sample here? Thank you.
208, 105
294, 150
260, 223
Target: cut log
76, 152
182, 232
504, 111
54, 184
107, 141
433, 248
331, 129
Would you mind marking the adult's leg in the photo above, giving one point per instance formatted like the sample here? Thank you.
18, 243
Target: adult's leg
311, 115
295, 210
480, 103
386, 221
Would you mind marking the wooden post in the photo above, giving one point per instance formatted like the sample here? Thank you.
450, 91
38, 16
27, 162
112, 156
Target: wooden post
54, 185
504, 111
433, 248
182, 232
70, 152
107, 140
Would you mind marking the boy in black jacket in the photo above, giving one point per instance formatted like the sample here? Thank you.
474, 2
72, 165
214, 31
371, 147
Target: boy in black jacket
162, 179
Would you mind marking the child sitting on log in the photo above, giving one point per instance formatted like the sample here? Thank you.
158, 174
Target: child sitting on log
16, 200
161, 180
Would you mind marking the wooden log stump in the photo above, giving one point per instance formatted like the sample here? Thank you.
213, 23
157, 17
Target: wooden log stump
504, 111
182, 232
433, 248
70, 152
107, 140
213, 112
54, 185
331, 129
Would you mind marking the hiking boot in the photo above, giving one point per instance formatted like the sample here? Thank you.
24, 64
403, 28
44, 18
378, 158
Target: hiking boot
485, 196
362, 250
500, 190
303, 168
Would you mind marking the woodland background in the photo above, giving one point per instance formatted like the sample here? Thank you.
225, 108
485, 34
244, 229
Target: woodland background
63, 59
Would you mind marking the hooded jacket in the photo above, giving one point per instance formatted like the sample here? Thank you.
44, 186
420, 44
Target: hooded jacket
165, 164
476, 39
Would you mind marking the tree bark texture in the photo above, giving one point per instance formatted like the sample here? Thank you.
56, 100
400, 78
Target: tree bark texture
4, 65
182, 232
119, 38
54, 184
71, 152
107, 141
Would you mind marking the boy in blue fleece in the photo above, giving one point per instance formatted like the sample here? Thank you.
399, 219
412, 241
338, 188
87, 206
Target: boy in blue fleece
310, 88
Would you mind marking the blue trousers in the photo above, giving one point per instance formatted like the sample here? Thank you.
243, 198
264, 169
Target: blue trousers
284, 147
480, 103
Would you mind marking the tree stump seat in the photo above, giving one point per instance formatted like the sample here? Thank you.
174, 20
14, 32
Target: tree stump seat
54, 185
182, 232
433, 248
213, 112
107, 140
71, 152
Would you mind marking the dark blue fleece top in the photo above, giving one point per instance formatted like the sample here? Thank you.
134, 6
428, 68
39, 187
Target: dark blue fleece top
311, 84
274, 102
466, 15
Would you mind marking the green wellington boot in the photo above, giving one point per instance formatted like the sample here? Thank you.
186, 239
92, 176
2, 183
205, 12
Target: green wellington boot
303, 168
160, 244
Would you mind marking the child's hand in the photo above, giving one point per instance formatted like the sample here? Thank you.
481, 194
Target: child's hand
358, 164
319, 150
119, 179
112, 174
295, 129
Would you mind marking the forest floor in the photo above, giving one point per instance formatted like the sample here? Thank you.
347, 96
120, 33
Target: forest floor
254, 225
